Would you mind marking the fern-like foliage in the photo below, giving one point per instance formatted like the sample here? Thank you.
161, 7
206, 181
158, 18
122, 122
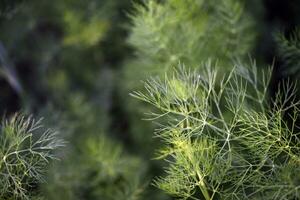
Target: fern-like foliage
289, 52
25, 151
233, 32
97, 170
223, 138
174, 30
166, 32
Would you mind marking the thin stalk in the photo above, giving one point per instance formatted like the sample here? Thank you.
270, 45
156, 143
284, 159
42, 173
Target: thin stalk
203, 187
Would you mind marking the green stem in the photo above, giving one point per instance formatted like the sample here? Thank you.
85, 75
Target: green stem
203, 188
202, 185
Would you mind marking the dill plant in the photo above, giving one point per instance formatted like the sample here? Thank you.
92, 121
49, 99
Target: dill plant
93, 165
224, 138
98, 169
288, 50
166, 32
25, 151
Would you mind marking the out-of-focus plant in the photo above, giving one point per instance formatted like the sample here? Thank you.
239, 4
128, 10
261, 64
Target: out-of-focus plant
190, 31
92, 166
49, 40
224, 138
289, 52
97, 170
91, 34
26, 149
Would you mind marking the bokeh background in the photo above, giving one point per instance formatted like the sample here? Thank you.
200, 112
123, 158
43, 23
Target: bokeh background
74, 63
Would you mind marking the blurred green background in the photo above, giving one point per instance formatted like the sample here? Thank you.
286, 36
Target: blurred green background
74, 62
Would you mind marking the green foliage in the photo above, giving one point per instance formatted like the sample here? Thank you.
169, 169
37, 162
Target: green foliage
164, 33
97, 170
92, 165
223, 138
288, 49
26, 149
63, 45
90, 35
167, 32
190, 31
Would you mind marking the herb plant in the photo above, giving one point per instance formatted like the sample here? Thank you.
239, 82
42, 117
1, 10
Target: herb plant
288, 50
224, 139
25, 151
100, 163
166, 32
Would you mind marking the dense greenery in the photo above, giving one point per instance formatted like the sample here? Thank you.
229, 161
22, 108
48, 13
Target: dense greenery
225, 125
223, 137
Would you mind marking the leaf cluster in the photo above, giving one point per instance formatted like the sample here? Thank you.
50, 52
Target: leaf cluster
224, 139
97, 170
288, 49
169, 31
25, 151
164, 33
